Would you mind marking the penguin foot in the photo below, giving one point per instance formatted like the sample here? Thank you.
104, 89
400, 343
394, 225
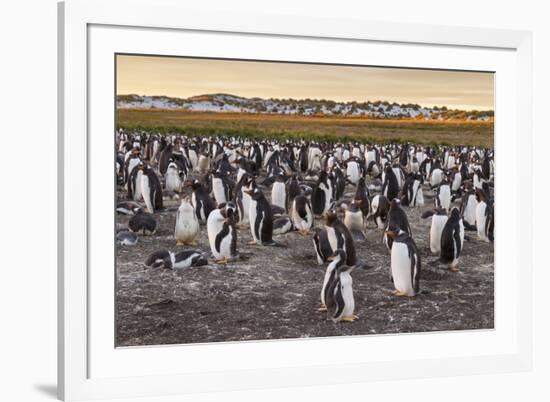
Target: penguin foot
252, 242
223, 261
243, 227
180, 243
322, 308
192, 243
399, 293
351, 318
454, 269
303, 232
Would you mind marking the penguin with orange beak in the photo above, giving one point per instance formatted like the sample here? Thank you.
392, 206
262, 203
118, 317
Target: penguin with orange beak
405, 266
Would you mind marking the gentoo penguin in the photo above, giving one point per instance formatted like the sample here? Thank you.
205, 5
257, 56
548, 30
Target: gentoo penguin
437, 176
172, 178
203, 163
390, 186
222, 234
220, 187
301, 214
397, 218
353, 219
170, 260
282, 225
242, 199
405, 263
151, 188
261, 219
201, 201
439, 219
127, 208
379, 210
321, 199
339, 236
142, 221
278, 191
452, 240
187, 223
293, 189
484, 216
468, 208
443, 195
126, 238
337, 260
362, 196
339, 296
353, 171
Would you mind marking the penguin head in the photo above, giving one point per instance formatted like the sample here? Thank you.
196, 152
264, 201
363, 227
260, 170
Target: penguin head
254, 193
395, 204
455, 214
331, 217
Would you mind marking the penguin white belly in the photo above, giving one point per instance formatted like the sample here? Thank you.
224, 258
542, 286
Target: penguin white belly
193, 159
298, 221
278, 195
246, 207
437, 176
213, 227
345, 155
218, 190
480, 220
328, 198
457, 181
146, 191
225, 245
445, 197
353, 173
138, 195
419, 197
173, 181
438, 223
401, 268
187, 227
356, 152
346, 282
398, 173
240, 173
470, 210
353, 220
370, 157
332, 239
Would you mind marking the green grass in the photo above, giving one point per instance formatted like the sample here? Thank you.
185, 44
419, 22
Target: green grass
338, 128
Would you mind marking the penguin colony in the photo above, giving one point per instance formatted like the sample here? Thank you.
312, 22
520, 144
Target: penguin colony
330, 192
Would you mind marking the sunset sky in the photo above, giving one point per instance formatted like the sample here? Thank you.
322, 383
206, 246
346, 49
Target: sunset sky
185, 77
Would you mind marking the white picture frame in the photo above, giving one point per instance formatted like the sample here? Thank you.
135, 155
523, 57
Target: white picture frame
87, 363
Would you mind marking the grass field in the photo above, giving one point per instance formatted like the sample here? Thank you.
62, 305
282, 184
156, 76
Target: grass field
476, 133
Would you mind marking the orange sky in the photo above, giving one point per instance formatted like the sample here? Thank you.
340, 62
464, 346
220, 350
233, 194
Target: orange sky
185, 77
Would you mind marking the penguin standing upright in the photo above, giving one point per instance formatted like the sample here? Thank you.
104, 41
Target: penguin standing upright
380, 207
278, 191
222, 234
390, 187
443, 195
220, 187
484, 216
301, 214
261, 219
362, 196
187, 223
405, 263
172, 178
398, 218
242, 199
468, 208
322, 246
321, 198
339, 296
339, 236
151, 189
452, 240
337, 260
353, 219
439, 219
201, 201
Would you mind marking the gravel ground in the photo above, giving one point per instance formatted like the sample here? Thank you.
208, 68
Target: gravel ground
273, 293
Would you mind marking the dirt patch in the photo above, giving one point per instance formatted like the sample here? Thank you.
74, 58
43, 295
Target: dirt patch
273, 293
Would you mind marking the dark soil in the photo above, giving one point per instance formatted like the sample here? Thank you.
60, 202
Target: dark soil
273, 292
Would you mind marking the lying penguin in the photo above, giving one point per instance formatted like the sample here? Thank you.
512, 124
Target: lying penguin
170, 260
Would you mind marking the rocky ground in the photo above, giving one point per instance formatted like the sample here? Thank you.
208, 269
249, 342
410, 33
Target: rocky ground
273, 292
